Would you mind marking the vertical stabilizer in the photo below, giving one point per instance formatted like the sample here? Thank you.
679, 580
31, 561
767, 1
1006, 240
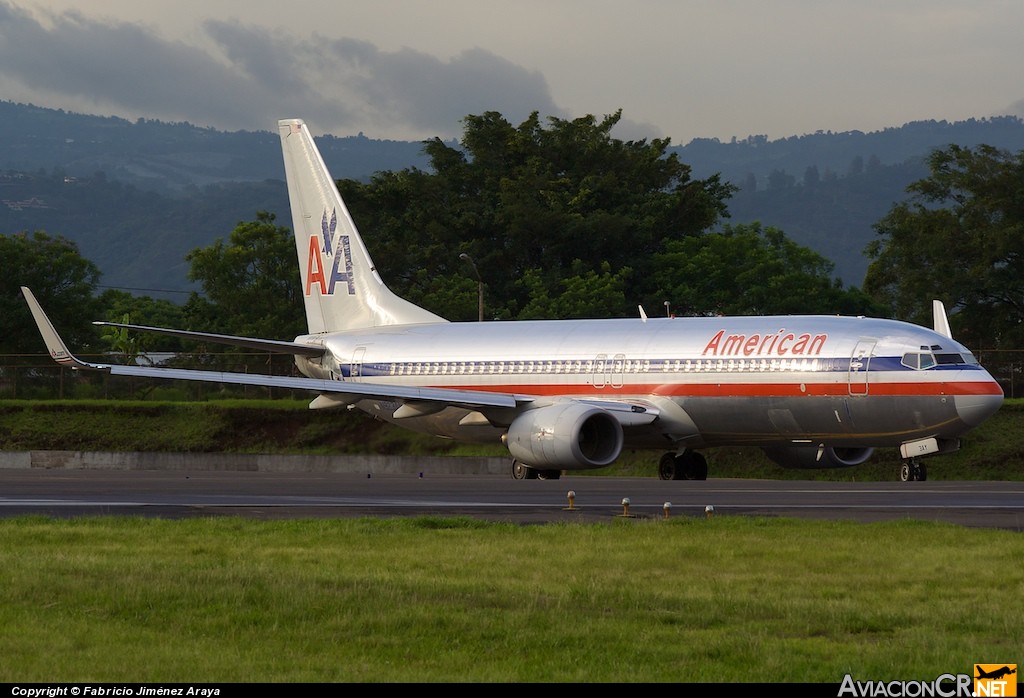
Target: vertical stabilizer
941, 322
341, 288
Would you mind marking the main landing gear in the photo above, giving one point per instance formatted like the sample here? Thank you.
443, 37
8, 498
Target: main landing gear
525, 472
688, 465
913, 471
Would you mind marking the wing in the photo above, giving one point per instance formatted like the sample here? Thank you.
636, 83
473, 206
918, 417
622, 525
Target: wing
414, 399
342, 392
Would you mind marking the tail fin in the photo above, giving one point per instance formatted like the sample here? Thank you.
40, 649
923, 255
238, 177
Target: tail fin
340, 285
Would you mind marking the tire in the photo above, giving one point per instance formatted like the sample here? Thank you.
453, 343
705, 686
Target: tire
667, 467
522, 472
906, 473
696, 466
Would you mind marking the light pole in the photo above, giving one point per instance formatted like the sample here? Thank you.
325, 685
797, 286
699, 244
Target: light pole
668, 309
479, 286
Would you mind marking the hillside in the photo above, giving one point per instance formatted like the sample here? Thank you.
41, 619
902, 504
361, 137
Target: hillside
138, 196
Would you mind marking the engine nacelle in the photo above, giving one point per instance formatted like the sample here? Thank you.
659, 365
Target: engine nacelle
811, 457
565, 436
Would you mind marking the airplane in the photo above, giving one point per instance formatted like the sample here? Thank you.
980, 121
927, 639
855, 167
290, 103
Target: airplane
570, 395
995, 674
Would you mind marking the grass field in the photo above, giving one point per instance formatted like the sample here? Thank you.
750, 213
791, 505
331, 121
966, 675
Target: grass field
729, 599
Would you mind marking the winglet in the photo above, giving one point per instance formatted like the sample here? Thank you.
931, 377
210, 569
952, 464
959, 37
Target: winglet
54, 344
941, 321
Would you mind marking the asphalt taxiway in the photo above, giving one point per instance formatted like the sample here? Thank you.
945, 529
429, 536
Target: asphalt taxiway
180, 494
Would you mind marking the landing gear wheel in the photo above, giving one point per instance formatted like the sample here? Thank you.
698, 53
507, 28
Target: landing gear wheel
920, 472
696, 467
689, 465
522, 472
548, 474
906, 472
913, 471
667, 467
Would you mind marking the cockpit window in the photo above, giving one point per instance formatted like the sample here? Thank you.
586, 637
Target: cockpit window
920, 360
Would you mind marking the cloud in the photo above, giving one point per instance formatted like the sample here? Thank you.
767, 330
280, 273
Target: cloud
1015, 109
245, 77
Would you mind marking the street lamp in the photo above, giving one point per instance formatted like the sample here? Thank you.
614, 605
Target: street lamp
668, 309
479, 286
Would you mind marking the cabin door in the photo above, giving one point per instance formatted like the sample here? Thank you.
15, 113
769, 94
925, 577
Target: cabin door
356, 369
860, 361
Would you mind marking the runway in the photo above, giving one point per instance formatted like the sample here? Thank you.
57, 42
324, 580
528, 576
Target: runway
180, 494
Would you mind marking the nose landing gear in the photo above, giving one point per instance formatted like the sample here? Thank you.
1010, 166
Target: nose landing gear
913, 470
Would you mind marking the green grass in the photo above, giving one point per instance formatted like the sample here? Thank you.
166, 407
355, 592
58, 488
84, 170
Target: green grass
455, 600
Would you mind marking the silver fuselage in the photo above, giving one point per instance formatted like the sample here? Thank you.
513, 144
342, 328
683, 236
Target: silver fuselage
715, 381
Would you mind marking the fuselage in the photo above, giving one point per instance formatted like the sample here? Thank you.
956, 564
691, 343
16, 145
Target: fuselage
715, 381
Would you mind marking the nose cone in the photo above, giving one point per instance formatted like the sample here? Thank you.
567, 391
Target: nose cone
975, 409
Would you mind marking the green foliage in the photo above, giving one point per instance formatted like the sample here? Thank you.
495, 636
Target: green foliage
535, 208
123, 307
122, 342
960, 239
750, 270
586, 294
251, 284
62, 280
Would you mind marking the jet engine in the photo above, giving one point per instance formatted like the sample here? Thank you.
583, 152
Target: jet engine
565, 436
811, 457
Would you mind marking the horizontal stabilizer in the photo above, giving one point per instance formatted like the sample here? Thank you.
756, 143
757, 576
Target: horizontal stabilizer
470, 399
271, 345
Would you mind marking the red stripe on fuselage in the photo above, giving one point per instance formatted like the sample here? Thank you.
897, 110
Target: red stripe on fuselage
742, 389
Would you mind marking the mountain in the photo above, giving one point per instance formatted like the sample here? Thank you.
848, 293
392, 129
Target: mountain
171, 157
138, 196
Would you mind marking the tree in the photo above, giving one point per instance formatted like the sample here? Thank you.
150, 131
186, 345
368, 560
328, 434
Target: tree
121, 306
747, 270
533, 206
62, 280
251, 284
959, 239
586, 294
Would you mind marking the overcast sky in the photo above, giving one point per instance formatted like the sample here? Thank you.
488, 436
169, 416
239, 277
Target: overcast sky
408, 70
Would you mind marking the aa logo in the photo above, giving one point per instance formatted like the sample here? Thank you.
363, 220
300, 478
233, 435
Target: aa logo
995, 680
329, 260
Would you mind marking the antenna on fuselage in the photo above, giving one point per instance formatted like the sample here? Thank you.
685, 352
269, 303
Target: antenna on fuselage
941, 321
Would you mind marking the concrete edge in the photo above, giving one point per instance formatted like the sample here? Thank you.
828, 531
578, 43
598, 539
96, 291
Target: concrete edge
94, 460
